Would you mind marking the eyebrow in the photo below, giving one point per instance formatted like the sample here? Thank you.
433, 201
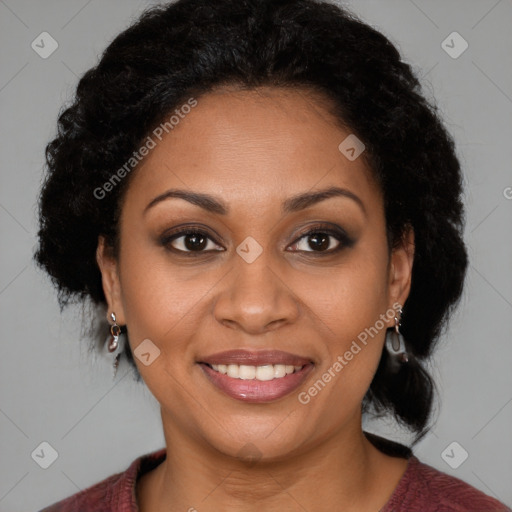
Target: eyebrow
293, 204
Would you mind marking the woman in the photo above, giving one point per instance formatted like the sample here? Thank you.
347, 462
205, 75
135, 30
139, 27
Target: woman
270, 213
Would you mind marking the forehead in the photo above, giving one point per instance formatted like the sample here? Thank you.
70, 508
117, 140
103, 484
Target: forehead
253, 147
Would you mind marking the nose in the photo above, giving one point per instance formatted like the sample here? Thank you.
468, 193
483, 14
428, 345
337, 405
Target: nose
256, 298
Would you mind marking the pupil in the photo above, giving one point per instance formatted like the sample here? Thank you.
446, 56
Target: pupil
195, 242
321, 241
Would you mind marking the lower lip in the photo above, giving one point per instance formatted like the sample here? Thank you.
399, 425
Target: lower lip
256, 391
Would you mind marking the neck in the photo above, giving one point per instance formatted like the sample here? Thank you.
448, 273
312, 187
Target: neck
347, 468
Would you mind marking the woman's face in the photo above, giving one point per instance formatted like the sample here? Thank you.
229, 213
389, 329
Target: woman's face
250, 278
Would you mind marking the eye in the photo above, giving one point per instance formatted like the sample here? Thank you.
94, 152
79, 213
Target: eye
321, 240
195, 241
190, 240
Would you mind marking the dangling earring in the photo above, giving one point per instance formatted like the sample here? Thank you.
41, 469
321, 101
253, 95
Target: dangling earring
395, 345
113, 344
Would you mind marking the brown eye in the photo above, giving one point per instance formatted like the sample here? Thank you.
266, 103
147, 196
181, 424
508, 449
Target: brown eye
322, 241
318, 242
190, 240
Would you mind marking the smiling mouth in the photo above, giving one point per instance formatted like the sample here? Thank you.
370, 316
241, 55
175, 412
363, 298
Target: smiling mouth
261, 373
256, 376
256, 384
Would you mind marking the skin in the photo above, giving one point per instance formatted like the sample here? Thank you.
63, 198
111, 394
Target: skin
253, 150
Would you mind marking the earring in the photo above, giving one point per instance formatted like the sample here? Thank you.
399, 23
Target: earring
113, 343
395, 345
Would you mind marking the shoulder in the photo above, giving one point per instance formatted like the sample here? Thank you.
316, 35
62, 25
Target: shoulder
426, 489
117, 492
98, 497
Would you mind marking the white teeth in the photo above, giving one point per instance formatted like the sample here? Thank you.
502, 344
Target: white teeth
233, 370
246, 372
263, 373
279, 371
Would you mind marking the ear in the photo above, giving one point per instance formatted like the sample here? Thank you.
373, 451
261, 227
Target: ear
400, 269
110, 279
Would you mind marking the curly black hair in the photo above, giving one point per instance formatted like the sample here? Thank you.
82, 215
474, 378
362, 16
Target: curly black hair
189, 47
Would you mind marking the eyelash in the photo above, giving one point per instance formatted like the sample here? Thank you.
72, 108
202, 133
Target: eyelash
339, 234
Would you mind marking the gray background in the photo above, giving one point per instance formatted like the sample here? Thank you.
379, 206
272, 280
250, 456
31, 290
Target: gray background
51, 390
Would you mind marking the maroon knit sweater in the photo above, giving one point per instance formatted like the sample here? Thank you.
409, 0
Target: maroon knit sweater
421, 489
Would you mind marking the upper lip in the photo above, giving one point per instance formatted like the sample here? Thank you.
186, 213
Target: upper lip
255, 358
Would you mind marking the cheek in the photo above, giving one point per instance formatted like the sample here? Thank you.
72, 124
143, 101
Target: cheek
353, 295
353, 304
157, 300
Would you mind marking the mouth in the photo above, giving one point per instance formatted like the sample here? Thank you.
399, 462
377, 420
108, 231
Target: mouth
256, 377
262, 373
